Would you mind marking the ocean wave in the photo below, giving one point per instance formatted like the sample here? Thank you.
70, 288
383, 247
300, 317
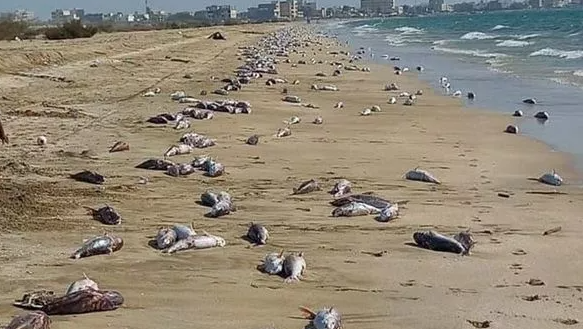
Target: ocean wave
408, 30
474, 53
499, 27
394, 40
441, 42
578, 73
527, 36
364, 30
565, 54
477, 36
513, 43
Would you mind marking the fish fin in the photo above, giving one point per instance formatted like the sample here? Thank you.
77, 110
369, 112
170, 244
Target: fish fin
85, 276
281, 253
309, 314
301, 254
192, 226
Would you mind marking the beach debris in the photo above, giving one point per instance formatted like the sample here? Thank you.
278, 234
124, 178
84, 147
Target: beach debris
327, 318
30, 320
318, 120
283, 132
422, 176
87, 176
461, 243
35, 299
155, 164
542, 115
511, 129
339, 105
552, 230
307, 187
252, 140
293, 120
217, 36
294, 267
106, 215
99, 245
341, 188
179, 149
292, 99
203, 241
84, 301
389, 213
353, 209
518, 113
551, 178
119, 147
82, 284
273, 263
41, 140
257, 233
531, 101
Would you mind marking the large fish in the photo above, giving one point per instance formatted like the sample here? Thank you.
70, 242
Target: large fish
197, 242
355, 209
294, 267
327, 318
422, 176
257, 233
370, 200
273, 263
84, 301
105, 244
30, 320
83, 284
460, 243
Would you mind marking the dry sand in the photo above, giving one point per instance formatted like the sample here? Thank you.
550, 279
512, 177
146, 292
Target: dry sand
43, 221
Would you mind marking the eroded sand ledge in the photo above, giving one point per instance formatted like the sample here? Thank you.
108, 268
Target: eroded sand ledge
407, 287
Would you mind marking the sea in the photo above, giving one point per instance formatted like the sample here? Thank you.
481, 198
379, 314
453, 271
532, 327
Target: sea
503, 57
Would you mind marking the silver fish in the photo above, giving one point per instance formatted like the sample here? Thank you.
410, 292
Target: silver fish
283, 132
273, 263
353, 209
178, 150
221, 208
460, 243
389, 213
165, 237
183, 231
342, 187
551, 178
257, 233
82, 284
197, 242
215, 169
328, 318
307, 187
422, 176
294, 267
105, 244
209, 198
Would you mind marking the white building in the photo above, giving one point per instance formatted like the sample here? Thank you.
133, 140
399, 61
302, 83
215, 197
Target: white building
378, 6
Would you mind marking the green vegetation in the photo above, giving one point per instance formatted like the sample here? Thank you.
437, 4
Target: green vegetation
70, 30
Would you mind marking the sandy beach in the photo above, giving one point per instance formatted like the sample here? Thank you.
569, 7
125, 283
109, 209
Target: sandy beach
368, 270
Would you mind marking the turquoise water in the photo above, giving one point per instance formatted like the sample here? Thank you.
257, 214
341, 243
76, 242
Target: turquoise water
504, 57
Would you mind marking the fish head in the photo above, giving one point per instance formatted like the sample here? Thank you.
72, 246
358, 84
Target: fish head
114, 297
220, 241
422, 238
117, 243
328, 320
466, 239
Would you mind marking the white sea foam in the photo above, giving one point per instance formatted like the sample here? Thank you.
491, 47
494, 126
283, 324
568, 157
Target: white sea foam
394, 40
474, 53
364, 29
578, 73
408, 30
565, 54
499, 27
477, 36
441, 42
527, 36
513, 43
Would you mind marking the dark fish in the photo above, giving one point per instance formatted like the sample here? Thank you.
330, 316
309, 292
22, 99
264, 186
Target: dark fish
99, 245
307, 187
30, 320
460, 243
168, 116
107, 215
88, 177
155, 164
3, 137
119, 147
258, 234
85, 301
157, 120
252, 140
209, 198
370, 200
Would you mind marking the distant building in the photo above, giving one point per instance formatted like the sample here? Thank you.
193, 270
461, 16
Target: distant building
377, 6
265, 12
288, 9
435, 5
535, 3
60, 16
94, 18
221, 13
310, 9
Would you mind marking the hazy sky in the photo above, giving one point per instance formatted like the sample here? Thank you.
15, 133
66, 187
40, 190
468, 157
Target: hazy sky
43, 8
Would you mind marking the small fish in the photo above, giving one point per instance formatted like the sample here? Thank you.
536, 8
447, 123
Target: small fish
366, 112
209, 198
342, 187
257, 233
294, 267
89, 177
182, 124
422, 176
283, 132
252, 140
318, 120
293, 120
221, 208
197, 242
354, 209
389, 213
215, 169
375, 108
119, 147
104, 244
327, 318
339, 105
83, 284
180, 170
106, 215
551, 178
30, 320
461, 243
273, 263
178, 150
392, 100
307, 187
155, 164
165, 238
511, 129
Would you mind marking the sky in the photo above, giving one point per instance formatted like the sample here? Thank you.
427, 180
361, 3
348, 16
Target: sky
43, 8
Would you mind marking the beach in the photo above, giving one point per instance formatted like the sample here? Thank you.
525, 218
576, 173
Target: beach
368, 270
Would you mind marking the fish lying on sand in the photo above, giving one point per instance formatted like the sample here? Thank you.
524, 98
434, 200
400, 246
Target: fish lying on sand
551, 178
87, 176
327, 318
273, 263
82, 284
119, 147
353, 209
203, 241
99, 245
341, 188
30, 320
307, 187
106, 215
370, 200
294, 267
257, 234
388, 213
84, 301
461, 243
155, 164
422, 176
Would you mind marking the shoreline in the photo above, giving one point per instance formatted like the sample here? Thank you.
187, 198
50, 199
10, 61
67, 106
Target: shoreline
368, 270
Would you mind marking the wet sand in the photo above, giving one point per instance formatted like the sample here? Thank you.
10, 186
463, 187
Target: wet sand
43, 221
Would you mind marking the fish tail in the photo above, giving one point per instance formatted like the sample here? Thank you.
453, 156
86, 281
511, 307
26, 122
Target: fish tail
85, 276
309, 314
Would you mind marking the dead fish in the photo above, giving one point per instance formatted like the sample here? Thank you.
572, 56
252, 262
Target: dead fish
30, 320
318, 120
215, 169
366, 112
294, 267
165, 238
307, 187
460, 243
257, 233
511, 129
157, 120
221, 208
82, 284
341, 188
183, 169
197, 242
389, 213
339, 105
273, 263
35, 299
183, 231
370, 200
355, 209
283, 132
327, 318
87, 176
104, 244
551, 178
119, 147
422, 176
292, 99
106, 215
200, 161
293, 120
375, 108
209, 198
182, 124
252, 140
85, 301
155, 164
178, 150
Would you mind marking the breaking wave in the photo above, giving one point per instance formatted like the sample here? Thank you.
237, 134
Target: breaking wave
474, 53
477, 36
513, 43
499, 27
565, 54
